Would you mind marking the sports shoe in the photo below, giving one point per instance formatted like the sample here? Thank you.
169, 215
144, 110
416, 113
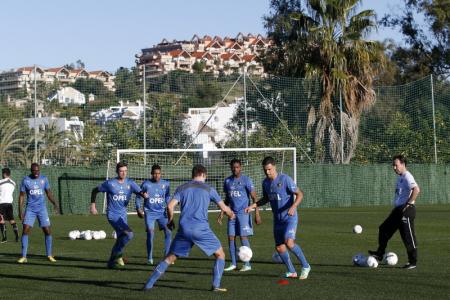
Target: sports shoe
304, 273
245, 268
218, 290
4, 240
150, 262
51, 259
290, 275
120, 262
230, 268
409, 266
376, 254
22, 260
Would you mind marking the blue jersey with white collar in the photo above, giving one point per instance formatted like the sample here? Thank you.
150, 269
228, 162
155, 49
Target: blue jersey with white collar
280, 193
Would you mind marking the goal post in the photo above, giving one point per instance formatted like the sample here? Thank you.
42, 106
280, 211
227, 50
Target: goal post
176, 165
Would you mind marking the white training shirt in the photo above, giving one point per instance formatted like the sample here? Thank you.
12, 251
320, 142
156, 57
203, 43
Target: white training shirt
6, 190
403, 188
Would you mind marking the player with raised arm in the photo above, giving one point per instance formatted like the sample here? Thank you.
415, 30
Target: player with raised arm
34, 186
118, 191
194, 198
238, 190
284, 197
155, 209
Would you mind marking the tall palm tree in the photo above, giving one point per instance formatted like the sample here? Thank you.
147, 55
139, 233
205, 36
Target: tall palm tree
326, 40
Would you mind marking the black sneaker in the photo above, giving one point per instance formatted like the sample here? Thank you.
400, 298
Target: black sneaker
376, 254
409, 266
4, 240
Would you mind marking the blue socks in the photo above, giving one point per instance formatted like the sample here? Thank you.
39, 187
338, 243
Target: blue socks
24, 245
158, 272
48, 244
150, 235
167, 241
287, 261
232, 245
219, 265
246, 242
121, 242
301, 257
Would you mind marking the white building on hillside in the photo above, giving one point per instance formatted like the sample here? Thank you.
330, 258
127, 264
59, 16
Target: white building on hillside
74, 125
124, 111
68, 95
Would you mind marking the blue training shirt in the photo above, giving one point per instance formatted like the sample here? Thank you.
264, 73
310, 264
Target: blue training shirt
158, 196
237, 191
280, 193
35, 190
194, 197
118, 194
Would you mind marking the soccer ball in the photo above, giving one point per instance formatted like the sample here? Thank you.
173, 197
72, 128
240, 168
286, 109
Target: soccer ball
114, 235
96, 235
372, 262
357, 229
102, 234
245, 253
87, 235
359, 260
391, 258
276, 258
74, 234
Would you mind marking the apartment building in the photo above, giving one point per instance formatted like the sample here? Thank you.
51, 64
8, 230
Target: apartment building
215, 54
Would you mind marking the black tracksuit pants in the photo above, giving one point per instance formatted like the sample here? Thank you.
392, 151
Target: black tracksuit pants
400, 218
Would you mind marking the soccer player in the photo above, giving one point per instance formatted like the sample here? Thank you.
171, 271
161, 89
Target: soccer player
7, 186
284, 197
155, 205
402, 216
238, 189
34, 186
118, 191
194, 198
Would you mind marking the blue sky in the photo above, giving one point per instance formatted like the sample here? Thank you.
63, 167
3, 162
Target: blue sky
106, 34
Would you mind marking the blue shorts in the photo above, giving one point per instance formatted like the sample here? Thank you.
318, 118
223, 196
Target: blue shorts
204, 238
284, 230
119, 223
241, 225
151, 218
41, 215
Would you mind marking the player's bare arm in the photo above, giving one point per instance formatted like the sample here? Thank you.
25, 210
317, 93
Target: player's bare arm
52, 200
298, 199
257, 215
94, 193
21, 200
227, 210
170, 209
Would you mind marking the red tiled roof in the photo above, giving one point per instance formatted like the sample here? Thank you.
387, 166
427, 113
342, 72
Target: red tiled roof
228, 56
212, 43
25, 69
177, 53
56, 70
248, 57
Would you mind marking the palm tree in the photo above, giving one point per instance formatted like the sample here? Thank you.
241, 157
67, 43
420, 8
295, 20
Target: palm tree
10, 140
326, 40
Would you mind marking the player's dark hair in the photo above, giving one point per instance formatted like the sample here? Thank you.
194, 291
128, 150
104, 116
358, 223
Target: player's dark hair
120, 165
198, 170
268, 160
34, 165
6, 171
401, 158
235, 161
156, 167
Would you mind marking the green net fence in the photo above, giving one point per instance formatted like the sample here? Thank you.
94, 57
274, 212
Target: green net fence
78, 124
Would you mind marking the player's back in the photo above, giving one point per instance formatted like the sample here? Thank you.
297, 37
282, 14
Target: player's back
194, 198
7, 186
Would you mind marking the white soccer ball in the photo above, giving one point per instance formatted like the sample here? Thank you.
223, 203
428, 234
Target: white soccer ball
114, 235
276, 258
96, 235
359, 260
372, 262
102, 234
74, 234
245, 253
391, 258
357, 229
86, 235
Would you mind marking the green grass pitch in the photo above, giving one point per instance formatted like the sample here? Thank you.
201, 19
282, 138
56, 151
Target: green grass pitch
325, 235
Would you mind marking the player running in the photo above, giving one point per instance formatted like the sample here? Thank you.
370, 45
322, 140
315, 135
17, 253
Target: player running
238, 189
34, 186
284, 197
155, 205
194, 198
118, 191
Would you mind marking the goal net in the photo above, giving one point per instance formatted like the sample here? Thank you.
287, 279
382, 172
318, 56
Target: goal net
176, 165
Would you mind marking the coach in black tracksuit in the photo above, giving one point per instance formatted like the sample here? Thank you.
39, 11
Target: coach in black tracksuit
402, 216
